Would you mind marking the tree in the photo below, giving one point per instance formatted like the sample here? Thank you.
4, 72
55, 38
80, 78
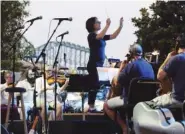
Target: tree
160, 29
12, 18
26, 48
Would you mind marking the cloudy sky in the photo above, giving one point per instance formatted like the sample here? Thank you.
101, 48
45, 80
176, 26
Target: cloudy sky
80, 11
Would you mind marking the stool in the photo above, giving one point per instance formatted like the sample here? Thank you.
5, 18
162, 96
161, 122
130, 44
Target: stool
11, 91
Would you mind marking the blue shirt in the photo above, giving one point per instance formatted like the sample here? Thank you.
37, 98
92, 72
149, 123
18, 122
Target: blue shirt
97, 47
135, 69
175, 69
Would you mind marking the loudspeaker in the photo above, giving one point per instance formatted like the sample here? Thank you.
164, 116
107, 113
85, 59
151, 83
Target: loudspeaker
96, 118
79, 127
17, 127
3, 130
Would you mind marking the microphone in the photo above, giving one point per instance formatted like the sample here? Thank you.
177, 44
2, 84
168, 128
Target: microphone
61, 19
37, 18
67, 32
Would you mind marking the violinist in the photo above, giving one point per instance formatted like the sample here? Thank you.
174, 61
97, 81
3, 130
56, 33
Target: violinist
166, 83
137, 68
49, 93
8, 76
4, 95
174, 68
115, 86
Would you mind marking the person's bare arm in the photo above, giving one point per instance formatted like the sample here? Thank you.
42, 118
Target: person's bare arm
123, 65
116, 33
65, 85
161, 75
103, 32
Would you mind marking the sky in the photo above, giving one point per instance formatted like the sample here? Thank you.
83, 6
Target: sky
80, 11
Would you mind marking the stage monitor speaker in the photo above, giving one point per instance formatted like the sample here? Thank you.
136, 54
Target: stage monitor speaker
79, 127
17, 127
3, 130
96, 118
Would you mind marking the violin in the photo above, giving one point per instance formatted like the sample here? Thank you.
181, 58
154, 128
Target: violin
11, 84
60, 80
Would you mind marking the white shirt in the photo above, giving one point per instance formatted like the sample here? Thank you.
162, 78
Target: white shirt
4, 95
28, 95
49, 89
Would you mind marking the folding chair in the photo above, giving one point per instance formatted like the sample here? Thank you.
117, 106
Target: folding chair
140, 89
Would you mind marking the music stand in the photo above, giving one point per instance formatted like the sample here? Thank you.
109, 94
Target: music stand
79, 83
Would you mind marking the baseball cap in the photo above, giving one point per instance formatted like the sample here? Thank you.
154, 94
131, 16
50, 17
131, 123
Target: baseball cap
136, 49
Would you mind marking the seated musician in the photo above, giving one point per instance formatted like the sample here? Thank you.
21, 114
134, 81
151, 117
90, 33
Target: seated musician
116, 89
174, 68
137, 68
28, 84
49, 94
4, 97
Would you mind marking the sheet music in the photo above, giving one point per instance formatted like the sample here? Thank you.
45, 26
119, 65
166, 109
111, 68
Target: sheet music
103, 74
112, 72
107, 74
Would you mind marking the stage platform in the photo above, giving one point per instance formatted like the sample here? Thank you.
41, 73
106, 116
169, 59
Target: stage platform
78, 123
84, 123
83, 116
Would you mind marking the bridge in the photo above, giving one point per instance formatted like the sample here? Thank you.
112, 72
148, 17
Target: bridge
70, 55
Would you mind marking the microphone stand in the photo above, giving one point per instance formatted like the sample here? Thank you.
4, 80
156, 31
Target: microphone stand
55, 67
13, 69
35, 111
44, 60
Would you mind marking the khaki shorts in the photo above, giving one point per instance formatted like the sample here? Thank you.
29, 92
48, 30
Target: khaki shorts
115, 102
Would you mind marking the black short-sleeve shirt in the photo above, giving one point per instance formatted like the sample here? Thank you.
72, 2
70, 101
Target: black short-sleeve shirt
97, 47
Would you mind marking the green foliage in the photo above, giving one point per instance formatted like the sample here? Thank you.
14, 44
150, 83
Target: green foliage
7, 65
159, 29
12, 17
26, 48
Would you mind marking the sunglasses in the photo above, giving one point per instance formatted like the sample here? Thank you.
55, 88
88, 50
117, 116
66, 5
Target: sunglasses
99, 22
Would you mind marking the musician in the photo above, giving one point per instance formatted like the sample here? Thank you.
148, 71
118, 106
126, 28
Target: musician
97, 43
174, 68
8, 76
4, 95
137, 68
49, 94
115, 86
28, 84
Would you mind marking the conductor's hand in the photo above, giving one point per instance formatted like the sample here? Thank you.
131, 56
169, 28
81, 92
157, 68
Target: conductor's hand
121, 22
108, 22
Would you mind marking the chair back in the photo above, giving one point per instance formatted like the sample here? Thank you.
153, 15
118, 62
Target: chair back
183, 109
141, 89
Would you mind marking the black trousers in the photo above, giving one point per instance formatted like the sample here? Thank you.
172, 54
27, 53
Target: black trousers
93, 79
